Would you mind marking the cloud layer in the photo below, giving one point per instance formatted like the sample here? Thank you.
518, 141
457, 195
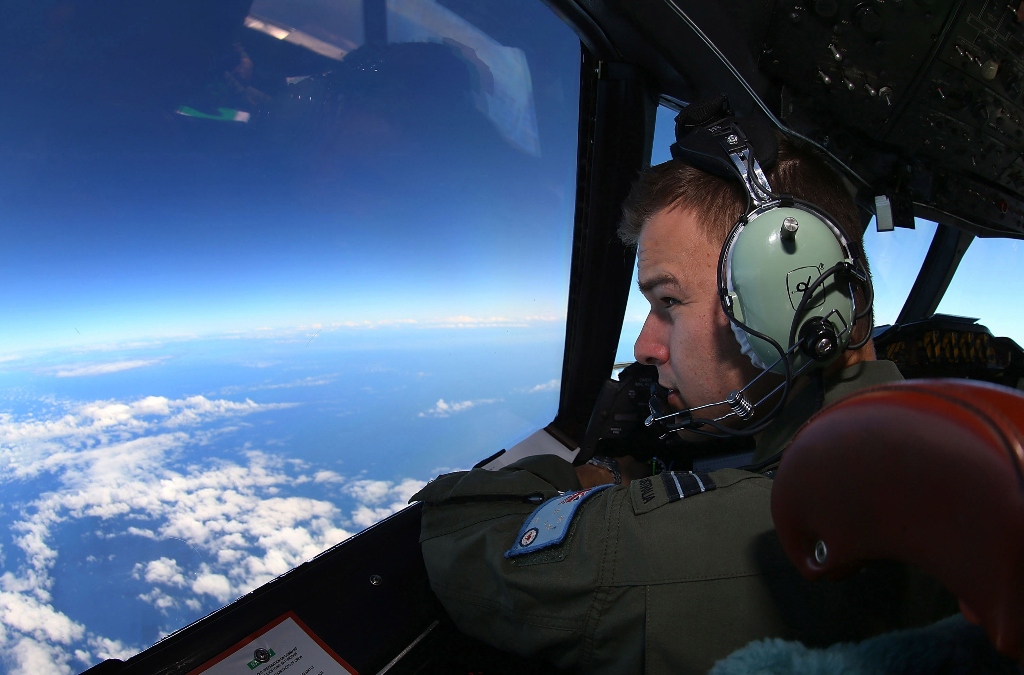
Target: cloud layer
105, 368
445, 409
550, 385
132, 467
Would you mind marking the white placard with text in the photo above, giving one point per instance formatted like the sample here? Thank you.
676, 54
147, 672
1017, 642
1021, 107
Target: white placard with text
287, 648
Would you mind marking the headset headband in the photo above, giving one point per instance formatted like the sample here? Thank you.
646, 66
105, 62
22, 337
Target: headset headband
701, 127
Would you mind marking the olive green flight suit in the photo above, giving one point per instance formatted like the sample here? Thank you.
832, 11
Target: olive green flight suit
646, 581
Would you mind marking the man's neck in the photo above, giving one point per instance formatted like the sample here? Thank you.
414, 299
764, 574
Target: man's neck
847, 360
852, 358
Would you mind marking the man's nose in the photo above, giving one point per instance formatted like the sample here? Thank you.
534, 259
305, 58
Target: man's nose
651, 345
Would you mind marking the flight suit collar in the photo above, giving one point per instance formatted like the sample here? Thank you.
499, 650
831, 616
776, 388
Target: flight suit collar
804, 403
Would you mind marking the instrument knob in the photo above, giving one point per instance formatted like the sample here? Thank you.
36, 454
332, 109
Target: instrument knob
869, 21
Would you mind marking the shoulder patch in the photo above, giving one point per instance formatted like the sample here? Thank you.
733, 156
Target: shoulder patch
650, 493
549, 523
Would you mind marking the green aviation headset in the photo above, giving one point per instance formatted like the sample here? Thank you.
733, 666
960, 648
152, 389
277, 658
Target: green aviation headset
787, 273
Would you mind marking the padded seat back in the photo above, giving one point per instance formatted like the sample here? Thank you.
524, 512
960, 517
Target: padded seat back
927, 472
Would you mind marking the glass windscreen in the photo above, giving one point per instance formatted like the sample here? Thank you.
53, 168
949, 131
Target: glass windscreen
895, 259
266, 267
636, 304
988, 285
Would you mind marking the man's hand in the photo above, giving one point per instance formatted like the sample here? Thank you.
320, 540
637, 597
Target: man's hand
591, 475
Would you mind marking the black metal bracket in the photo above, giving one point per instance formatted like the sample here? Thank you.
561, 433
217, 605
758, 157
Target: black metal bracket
617, 112
944, 255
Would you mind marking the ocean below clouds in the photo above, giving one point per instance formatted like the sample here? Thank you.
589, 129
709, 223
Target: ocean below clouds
145, 487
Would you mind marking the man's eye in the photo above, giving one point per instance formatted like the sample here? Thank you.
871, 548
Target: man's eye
669, 302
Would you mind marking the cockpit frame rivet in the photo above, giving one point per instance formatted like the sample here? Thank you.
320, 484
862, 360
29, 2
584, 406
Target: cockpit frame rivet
820, 552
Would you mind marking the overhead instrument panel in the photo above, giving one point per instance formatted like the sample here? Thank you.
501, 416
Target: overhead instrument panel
922, 98
860, 54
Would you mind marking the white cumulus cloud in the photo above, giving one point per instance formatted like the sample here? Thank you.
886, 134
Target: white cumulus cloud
161, 571
159, 599
550, 385
445, 409
31, 656
216, 585
325, 476
126, 464
105, 368
380, 498
105, 648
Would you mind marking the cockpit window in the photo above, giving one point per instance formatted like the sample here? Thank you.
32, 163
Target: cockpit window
988, 285
265, 268
895, 258
637, 305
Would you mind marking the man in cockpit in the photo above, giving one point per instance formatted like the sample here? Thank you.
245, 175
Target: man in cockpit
630, 572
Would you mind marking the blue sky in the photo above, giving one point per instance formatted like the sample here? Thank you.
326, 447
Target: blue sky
120, 219
988, 286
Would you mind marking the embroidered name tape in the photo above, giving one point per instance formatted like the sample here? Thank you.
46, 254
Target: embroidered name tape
549, 523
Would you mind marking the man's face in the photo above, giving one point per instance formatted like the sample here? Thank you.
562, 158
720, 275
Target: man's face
687, 334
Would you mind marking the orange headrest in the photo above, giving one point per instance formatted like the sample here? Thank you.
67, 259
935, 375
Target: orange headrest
927, 472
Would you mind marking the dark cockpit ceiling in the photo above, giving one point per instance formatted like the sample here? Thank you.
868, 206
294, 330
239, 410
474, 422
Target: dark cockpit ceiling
919, 100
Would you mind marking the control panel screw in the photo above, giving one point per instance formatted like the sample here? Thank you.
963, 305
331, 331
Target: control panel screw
820, 552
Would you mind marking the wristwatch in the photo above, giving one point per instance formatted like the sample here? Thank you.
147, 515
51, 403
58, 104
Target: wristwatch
609, 463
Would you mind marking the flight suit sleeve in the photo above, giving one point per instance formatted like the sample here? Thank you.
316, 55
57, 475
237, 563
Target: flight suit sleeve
660, 576
529, 605
663, 576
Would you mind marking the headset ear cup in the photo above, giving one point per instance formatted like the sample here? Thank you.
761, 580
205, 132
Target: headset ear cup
781, 268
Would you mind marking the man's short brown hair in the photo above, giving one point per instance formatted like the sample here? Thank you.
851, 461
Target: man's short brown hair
717, 203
